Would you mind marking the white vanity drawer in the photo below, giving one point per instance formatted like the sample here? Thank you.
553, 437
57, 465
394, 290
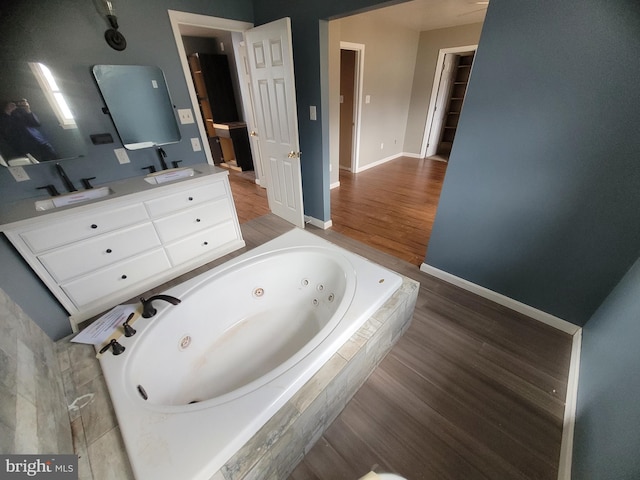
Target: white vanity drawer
89, 255
61, 232
193, 220
121, 276
185, 199
201, 243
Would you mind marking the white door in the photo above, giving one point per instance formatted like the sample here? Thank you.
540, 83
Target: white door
446, 78
270, 56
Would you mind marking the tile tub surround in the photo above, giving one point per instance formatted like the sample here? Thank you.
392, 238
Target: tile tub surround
33, 413
278, 447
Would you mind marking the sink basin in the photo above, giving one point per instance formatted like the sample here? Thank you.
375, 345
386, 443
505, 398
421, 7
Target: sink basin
169, 175
72, 198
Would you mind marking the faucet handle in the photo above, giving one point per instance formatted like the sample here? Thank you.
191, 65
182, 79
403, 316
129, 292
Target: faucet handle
51, 189
116, 348
86, 182
174, 163
129, 331
151, 168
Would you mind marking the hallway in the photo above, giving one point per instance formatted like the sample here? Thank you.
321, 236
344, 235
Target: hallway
390, 207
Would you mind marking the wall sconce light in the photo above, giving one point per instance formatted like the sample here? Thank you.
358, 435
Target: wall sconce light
113, 37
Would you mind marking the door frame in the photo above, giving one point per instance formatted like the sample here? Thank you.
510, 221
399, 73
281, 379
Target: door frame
436, 88
178, 19
357, 99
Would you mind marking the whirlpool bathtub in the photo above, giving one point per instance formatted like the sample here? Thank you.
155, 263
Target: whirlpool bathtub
199, 379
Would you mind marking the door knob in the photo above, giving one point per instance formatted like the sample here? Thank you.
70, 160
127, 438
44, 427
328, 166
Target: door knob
294, 154
253, 133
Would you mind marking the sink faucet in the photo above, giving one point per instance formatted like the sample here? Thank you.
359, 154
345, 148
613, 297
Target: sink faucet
147, 306
162, 154
67, 183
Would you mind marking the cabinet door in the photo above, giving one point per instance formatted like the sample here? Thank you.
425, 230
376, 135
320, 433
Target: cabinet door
186, 199
121, 276
193, 220
217, 80
55, 233
201, 243
83, 257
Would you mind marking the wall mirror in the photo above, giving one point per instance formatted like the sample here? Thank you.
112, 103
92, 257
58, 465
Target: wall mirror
37, 122
137, 98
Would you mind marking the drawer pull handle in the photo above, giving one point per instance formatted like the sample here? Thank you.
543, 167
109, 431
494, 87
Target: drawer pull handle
197, 219
191, 199
109, 250
93, 225
123, 277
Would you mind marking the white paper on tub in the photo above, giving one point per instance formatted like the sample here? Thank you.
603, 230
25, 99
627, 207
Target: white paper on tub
99, 331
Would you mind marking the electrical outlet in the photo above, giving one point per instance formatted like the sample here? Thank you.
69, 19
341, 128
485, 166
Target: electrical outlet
122, 156
19, 174
185, 115
313, 114
195, 144
381, 146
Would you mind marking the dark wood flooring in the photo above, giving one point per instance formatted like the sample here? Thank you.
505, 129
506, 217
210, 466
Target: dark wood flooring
390, 207
473, 390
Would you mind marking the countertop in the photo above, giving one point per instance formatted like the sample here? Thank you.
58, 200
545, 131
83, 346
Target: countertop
25, 210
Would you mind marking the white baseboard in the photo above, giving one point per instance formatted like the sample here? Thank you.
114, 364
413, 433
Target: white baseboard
411, 155
570, 406
527, 310
334, 185
571, 401
318, 223
362, 168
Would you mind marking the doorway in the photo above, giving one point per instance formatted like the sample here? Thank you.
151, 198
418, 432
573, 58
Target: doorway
447, 98
351, 68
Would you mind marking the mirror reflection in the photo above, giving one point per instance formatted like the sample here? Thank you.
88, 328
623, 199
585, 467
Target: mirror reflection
36, 121
138, 101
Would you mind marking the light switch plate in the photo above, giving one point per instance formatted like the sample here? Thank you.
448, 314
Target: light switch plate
185, 115
313, 115
122, 156
19, 174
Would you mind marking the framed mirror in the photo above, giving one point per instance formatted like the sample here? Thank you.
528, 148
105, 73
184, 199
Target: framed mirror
137, 98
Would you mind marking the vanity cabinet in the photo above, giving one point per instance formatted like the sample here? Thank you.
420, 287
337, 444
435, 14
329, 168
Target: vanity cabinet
96, 255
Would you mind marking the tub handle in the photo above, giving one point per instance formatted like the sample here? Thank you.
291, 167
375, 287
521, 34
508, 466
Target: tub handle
115, 347
148, 309
129, 331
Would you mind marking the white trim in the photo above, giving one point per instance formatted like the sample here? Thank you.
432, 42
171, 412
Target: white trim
520, 307
378, 162
411, 155
318, 223
334, 185
359, 73
177, 19
571, 403
434, 91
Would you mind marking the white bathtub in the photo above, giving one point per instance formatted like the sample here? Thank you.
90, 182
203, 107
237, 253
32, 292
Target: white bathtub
246, 336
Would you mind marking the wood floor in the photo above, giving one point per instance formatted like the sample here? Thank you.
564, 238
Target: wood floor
390, 207
473, 390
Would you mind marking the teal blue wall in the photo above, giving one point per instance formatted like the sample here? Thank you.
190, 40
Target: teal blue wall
541, 197
606, 441
68, 36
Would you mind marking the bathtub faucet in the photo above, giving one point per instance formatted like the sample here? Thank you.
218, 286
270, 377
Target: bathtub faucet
147, 305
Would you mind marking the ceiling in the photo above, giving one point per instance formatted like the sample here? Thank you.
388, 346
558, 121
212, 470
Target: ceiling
419, 15
424, 15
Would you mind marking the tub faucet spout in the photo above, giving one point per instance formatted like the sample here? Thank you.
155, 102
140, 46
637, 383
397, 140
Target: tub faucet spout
148, 309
